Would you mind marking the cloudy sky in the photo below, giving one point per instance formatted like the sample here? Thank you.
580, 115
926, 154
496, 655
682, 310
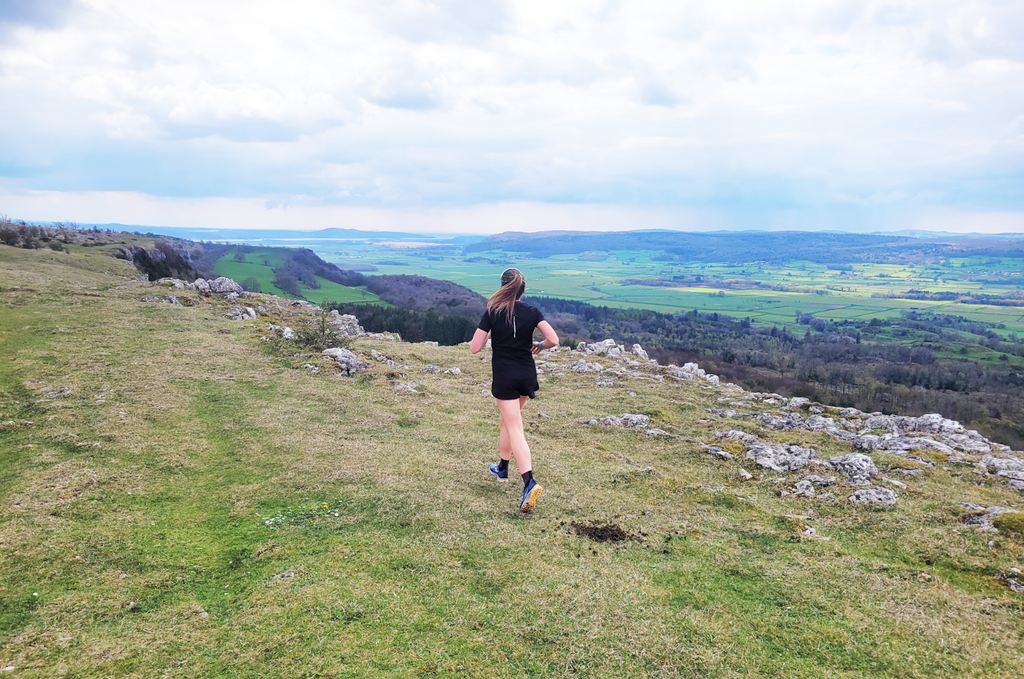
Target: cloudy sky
469, 115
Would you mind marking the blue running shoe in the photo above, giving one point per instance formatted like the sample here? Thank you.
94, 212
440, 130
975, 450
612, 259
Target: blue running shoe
530, 495
502, 476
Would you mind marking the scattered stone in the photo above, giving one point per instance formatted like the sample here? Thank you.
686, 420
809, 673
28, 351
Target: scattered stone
453, 371
287, 575
817, 410
741, 436
604, 382
381, 358
408, 387
639, 351
1015, 585
716, 452
858, 468
993, 464
346, 360
907, 472
430, 368
239, 314
984, 521
874, 495
722, 412
821, 481
898, 484
744, 474
582, 366
311, 368
199, 284
812, 533
803, 489
691, 371
654, 433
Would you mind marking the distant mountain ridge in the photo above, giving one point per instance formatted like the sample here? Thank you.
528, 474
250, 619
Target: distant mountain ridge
753, 246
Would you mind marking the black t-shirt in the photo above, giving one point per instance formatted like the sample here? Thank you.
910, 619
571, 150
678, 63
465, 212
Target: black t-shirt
512, 339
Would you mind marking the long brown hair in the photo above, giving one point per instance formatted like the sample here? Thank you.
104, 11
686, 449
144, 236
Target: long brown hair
513, 285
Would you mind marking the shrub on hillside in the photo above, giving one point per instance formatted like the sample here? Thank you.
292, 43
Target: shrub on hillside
250, 284
287, 282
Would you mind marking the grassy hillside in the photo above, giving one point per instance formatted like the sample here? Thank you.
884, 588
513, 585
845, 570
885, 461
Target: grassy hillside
260, 264
180, 498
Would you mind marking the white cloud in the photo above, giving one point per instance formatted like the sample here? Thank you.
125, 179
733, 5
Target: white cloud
415, 103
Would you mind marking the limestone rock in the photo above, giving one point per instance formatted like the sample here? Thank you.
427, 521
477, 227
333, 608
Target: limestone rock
408, 387
346, 324
635, 421
822, 481
237, 313
782, 457
993, 464
225, 285
430, 368
583, 366
639, 351
984, 521
716, 452
453, 371
627, 420
874, 495
346, 360
858, 468
741, 436
803, 489
654, 433
604, 382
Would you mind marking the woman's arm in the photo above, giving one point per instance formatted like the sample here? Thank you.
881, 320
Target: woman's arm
478, 341
550, 336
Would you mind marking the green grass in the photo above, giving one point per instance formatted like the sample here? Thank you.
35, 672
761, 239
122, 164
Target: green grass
155, 552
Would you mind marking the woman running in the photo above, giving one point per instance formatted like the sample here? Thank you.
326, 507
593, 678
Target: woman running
510, 324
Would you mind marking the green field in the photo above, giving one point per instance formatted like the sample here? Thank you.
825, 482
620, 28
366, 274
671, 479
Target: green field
260, 266
822, 292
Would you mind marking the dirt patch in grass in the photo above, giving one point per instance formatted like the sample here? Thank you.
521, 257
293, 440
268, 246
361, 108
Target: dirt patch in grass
603, 532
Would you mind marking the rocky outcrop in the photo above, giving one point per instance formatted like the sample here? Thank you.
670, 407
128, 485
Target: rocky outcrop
237, 313
691, 371
983, 519
346, 324
873, 495
611, 349
346, 360
858, 468
782, 457
627, 420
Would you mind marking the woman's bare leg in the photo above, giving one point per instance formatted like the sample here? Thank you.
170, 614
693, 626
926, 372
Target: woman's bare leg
504, 443
512, 434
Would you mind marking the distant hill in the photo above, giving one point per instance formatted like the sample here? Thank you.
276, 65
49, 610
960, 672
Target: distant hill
752, 246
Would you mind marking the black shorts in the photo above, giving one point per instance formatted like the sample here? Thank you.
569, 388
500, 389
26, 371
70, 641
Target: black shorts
509, 389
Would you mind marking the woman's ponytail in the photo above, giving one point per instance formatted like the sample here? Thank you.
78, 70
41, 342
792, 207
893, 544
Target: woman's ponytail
513, 285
